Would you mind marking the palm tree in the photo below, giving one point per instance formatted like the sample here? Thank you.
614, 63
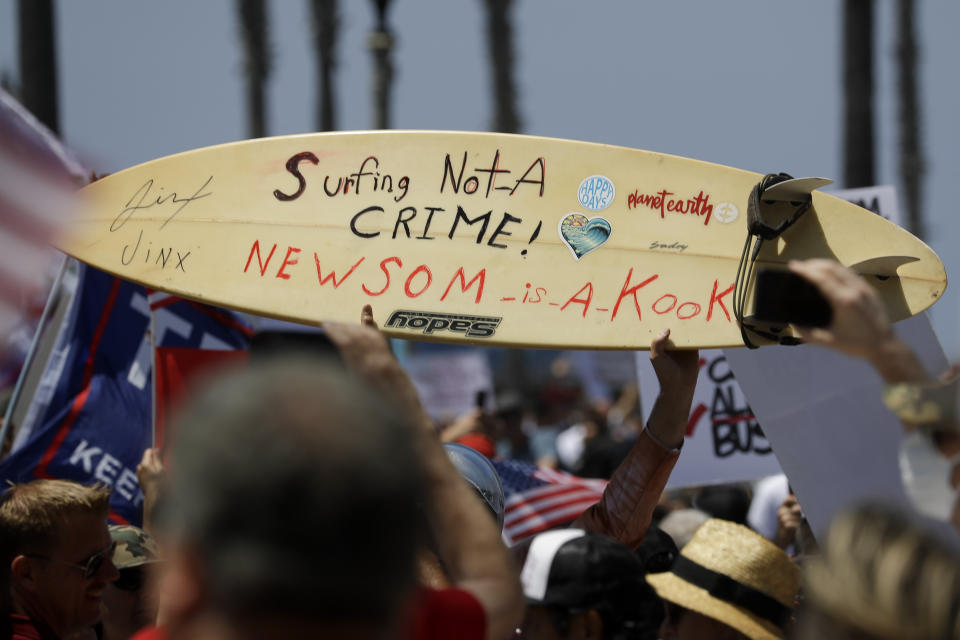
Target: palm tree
500, 43
858, 161
380, 43
253, 34
38, 62
326, 23
911, 156
505, 119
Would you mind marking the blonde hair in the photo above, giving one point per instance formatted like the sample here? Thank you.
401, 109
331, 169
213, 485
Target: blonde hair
882, 577
32, 514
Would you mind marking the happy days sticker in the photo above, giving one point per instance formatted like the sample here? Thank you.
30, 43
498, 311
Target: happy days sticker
596, 192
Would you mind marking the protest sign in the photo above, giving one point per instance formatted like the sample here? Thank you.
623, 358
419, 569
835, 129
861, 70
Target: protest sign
724, 441
881, 199
467, 237
448, 383
823, 411
824, 414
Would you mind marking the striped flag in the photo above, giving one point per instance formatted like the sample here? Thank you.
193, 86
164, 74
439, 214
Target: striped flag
38, 183
538, 498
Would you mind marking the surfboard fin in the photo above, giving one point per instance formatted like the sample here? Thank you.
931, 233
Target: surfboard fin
781, 197
883, 267
794, 189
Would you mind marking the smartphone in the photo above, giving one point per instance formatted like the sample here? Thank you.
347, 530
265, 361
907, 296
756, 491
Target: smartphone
784, 297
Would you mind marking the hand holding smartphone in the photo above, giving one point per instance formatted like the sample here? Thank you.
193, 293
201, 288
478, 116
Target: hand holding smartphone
786, 298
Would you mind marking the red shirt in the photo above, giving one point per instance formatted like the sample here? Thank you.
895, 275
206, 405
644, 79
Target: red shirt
23, 628
479, 442
447, 613
150, 633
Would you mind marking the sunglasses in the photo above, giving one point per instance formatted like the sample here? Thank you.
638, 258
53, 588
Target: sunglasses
89, 567
130, 579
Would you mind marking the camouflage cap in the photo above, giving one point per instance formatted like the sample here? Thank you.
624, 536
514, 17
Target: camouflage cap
135, 547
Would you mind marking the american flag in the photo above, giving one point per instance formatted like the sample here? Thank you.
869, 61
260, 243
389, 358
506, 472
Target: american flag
38, 184
538, 498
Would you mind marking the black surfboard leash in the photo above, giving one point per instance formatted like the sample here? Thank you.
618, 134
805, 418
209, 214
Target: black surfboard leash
758, 231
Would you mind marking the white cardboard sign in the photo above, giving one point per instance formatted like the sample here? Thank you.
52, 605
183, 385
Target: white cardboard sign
724, 442
824, 414
882, 200
448, 383
823, 411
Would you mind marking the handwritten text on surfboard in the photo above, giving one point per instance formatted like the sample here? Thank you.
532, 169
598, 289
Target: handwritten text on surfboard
477, 183
369, 178
388, 276
152, 196
459, 177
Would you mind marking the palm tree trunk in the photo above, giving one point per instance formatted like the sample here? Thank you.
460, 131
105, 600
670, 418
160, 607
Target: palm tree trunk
380, 43
858, 161
38, 62
506, 119
500, 42
911, 156
253, 34
326, 24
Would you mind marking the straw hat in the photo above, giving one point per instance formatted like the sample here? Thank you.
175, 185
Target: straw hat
932, 405
732, 574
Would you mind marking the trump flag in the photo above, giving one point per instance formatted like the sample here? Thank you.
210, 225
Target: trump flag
93, 421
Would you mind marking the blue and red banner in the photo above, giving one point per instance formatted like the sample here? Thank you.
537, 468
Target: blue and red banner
96, 423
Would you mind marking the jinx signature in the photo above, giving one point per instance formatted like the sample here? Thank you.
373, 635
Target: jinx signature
145, 198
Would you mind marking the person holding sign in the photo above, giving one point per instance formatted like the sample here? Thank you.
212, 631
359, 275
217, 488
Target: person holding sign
483, 579
861, 328
626, 508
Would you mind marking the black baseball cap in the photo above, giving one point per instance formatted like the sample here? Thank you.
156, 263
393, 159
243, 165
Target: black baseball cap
577, 569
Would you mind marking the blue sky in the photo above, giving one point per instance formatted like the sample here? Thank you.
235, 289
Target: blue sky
754, 84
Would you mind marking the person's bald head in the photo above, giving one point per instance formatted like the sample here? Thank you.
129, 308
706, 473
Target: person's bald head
283, 478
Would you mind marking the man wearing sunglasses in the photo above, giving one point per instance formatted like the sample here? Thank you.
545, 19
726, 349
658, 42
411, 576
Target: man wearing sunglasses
55, 544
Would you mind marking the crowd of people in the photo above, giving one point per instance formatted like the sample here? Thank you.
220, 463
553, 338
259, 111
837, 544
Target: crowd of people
299, 497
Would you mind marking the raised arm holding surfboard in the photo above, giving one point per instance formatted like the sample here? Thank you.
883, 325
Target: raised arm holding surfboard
480, 238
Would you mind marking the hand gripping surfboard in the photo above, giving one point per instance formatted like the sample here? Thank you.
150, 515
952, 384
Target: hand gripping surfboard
473, 237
